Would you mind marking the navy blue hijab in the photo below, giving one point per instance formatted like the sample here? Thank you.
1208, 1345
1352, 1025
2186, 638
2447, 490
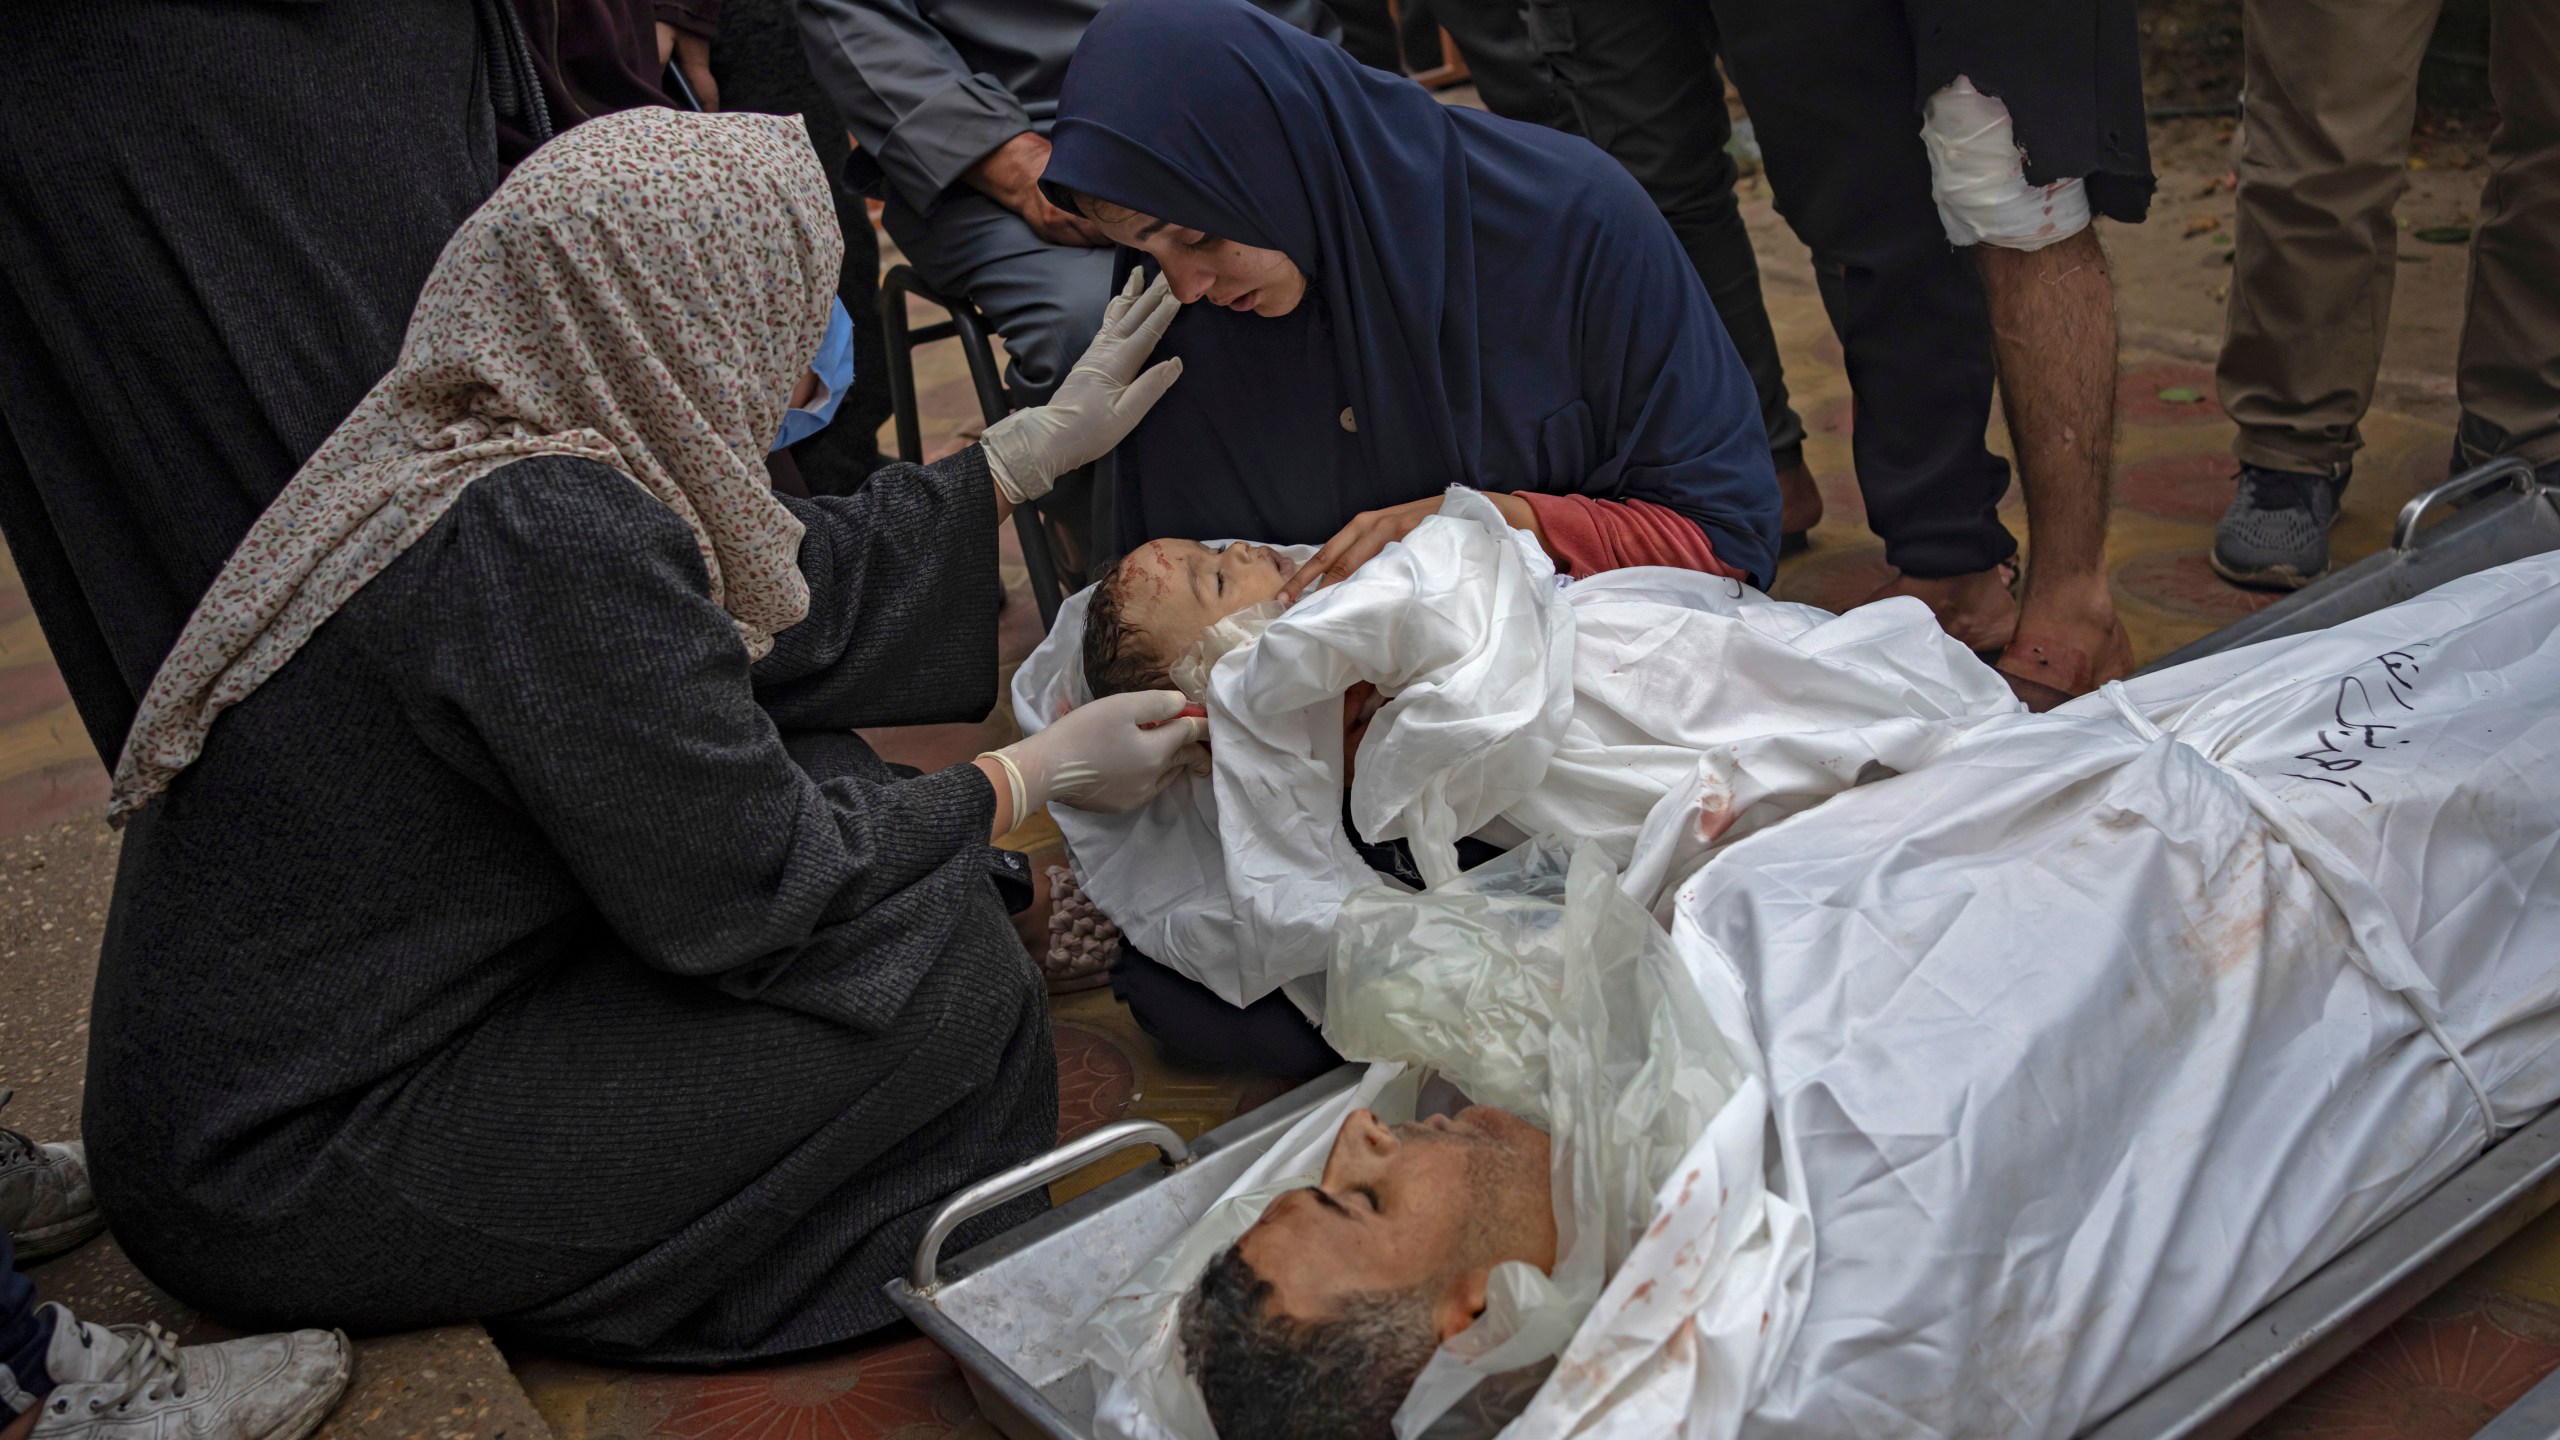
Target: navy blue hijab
1488, 302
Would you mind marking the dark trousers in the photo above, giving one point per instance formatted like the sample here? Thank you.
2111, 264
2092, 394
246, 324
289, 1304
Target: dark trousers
24, 1337
1834, 100
213, 226
1399, 39
1638, 79
1269, 1036
760, 67
1834, 97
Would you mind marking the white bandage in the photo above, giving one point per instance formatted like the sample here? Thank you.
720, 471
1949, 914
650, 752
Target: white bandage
1978, 176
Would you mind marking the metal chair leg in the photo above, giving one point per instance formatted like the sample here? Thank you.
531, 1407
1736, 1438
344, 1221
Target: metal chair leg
970, 328
1038, 555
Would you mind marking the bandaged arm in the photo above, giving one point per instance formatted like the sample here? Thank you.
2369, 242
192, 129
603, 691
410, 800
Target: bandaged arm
1978, 176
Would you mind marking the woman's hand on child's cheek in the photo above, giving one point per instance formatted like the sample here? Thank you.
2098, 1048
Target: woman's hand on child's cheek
1358, 543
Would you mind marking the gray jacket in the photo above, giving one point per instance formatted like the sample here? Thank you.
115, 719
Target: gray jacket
931, 87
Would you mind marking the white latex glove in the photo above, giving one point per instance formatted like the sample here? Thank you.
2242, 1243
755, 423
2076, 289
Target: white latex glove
1102, 399
1103, 757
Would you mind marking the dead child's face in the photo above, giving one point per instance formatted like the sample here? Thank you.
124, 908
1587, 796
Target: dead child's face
1171, 590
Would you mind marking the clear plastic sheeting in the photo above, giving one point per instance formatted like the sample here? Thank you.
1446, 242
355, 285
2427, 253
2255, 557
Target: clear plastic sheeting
1518, 707
2080, 1060
1539, 987
1533, 983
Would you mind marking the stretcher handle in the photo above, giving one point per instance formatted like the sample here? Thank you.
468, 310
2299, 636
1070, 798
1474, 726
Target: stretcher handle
1030, 1175
2505, 470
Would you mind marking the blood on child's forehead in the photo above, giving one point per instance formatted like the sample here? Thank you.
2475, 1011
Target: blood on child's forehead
1152, 570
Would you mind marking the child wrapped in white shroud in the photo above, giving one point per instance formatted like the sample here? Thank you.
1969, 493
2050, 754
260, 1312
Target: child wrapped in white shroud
1518, 707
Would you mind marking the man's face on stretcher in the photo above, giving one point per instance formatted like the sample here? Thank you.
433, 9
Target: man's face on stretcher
1315, 1323
1434, 1204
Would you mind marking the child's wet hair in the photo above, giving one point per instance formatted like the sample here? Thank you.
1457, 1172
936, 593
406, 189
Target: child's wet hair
1119, 658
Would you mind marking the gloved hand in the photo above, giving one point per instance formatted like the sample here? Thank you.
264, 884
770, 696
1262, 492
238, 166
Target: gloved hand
1101, 757
1102, 399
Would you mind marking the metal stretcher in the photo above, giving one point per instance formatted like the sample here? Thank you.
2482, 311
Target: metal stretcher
1007, 1309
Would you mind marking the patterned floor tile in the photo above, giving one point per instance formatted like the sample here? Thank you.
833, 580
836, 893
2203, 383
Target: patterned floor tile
2439, 1373
2182, 583
2175, 393
1096, 1079
902, 1389
2193, 488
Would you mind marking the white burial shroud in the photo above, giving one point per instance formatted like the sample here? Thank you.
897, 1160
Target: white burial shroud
2082, 1063
1520, 707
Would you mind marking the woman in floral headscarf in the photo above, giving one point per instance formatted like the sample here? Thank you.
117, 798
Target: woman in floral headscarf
510, 925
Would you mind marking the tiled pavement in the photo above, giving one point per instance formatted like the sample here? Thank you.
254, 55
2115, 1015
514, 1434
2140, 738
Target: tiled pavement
2467, 1352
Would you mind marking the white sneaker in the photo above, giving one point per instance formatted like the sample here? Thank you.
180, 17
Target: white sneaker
133, 1382
45, 1201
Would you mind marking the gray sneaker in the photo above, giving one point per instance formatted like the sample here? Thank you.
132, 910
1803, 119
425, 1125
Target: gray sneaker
133, 1382
45, 1201
2275, 536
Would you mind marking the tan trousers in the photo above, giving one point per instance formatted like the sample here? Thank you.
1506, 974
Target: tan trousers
2332, 93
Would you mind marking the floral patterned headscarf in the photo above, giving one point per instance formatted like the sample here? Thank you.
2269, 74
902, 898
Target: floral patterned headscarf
641, 292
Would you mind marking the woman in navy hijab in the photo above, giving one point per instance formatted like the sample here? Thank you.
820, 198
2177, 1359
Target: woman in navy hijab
1402, 295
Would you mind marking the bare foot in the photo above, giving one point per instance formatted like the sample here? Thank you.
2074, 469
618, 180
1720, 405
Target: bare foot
1976, 609
1799, 499
2066, 647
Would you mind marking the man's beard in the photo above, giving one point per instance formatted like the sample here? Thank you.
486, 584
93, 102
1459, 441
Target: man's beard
1504, 1190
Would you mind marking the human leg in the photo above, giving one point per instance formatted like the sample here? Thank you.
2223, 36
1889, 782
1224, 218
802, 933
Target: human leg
202, 293
1269, 1037
1369, 33
2332, 95
127, 1380
26, 1333
1832, 99
1639, 79
2510, 359
58, 1377
1509, 76
2053, 319
1045, 300
761, 67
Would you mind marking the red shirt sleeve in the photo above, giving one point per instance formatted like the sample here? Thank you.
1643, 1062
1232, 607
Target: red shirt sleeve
1588, 536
